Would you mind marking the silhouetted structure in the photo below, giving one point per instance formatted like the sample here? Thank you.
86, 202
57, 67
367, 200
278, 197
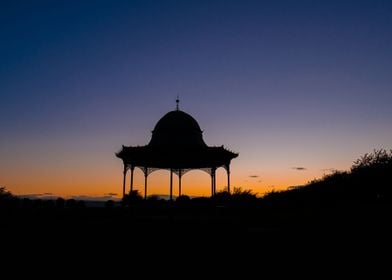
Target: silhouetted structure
177, 145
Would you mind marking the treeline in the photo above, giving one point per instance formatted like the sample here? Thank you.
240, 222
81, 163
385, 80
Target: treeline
8, 200
369, 181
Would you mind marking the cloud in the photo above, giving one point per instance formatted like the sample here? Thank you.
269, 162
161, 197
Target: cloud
89, 198
111, 194
39, 196
299, 168
48, 196
253, 176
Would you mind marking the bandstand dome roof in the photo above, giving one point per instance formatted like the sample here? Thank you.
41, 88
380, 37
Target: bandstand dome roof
177, 128
177, 145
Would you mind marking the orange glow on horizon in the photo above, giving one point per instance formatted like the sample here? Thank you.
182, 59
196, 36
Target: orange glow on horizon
99, 174
194, 183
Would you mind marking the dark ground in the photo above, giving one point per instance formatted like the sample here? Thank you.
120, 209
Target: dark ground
245, 239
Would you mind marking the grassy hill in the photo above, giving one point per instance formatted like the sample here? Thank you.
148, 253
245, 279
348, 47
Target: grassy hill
342, 216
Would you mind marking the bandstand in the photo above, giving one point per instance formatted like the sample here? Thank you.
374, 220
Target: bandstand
176, 145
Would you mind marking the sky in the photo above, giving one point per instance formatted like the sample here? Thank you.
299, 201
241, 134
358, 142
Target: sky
297, 88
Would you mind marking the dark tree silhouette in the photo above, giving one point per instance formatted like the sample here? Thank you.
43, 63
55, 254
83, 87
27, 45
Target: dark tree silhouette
183, 198
368, 181
60, 202
153, 197
131, 198
109, 203
7, 199
377, 159
4, 194
70, 203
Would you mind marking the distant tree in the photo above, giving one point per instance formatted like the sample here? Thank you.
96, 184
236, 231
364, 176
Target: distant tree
81, 204
239, 192
27, 202
132, 197
60, 202
222, 196
372, 175
135, 194
332, 178
7, 198
153, 197
109, 203
70, 203
49, 203
4, 194
38, 203
376, 159
223, 193
183, 198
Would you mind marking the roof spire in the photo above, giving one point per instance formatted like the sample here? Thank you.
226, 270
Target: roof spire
177, 102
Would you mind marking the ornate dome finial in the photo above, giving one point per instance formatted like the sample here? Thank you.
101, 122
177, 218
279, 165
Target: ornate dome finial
177, 103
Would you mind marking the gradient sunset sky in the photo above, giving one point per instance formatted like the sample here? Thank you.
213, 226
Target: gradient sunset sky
297, 88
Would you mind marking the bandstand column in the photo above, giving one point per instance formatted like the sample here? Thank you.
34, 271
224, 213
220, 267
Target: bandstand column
179, 182
228, 177
131, 183
213, 181
145, 182
171, 184
124, 178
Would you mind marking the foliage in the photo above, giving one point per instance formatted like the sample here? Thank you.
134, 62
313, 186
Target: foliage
60, 202
376, 159
239, 196
4, 194
222, 195
183, 198
369, 180
109, 203
153, 197
7, 199
246, 193
135, 195
132, 197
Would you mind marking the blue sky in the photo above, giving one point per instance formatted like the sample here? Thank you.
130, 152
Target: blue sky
284, 83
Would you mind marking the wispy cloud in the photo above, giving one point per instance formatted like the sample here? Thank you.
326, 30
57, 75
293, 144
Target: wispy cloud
254, 176
48, 196
88, 197
299, 168
39, 196
111, 194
